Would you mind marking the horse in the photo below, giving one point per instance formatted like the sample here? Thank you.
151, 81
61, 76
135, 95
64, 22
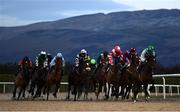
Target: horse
54, 77
38, 80
22, 79
145, 77
99, 78
77, 79
129, 76
113, 77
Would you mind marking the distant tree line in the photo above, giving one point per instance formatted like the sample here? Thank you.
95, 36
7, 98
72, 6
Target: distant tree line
167, 69
11, 68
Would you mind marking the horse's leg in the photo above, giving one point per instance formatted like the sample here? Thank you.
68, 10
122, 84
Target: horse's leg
31, 90
97, 90
40, 90
86, 88
107, 90
24, 90
79, 90
128, 91
56, 89
19, 93
37, 91
69, 90
116, 91
152, 87
146, 92
75, 92
44, 91
137, 87
48, 88
122, 93
14, 92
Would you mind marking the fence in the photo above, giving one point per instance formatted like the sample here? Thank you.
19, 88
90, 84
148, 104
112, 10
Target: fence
163, 76
157, 86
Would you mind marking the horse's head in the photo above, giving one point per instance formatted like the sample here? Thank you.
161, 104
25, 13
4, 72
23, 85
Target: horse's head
151, 61
84, 65
26, 67
134, 59
40, 64
119, 65
58, 63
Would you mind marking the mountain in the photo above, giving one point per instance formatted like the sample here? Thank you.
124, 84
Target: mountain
96, 32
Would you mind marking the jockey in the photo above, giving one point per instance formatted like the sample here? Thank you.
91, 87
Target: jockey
42, 57
115, 56
53, 62
103, 58
149, 51
128, 55
126, 58
133, 51
21, 63
49, 57
83, 55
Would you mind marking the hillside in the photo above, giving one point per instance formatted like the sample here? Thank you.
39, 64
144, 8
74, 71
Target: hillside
95, 33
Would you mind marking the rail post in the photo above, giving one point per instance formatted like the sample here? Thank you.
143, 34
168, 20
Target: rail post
164, 87
156, 90
4, 88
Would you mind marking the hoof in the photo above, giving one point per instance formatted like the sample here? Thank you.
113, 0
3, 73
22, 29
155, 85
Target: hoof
13, 98
54, 94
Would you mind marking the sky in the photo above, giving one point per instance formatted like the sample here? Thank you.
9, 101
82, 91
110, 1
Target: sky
23, 12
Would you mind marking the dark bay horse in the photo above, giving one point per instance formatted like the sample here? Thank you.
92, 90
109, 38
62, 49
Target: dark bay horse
78, 79
54, 77
38, 79
113, 77
22, 79
130, 76
99, 78
145, 77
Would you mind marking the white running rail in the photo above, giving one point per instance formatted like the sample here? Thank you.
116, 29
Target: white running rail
163, 76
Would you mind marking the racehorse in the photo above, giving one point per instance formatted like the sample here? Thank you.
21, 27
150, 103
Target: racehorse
130, 76
113, 77
22, 79
99, 78
54, 77
78, 78
38, 79
145, 77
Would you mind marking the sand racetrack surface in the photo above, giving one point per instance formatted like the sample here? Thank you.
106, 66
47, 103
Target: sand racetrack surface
6, 104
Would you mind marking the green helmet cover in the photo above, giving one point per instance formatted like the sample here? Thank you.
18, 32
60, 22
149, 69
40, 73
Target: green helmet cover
93, 61
151, 48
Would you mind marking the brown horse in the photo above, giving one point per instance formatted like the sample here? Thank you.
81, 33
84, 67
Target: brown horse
130, 76
78, 79
54, 77
22, 79
113, 77
99, 78
145, 77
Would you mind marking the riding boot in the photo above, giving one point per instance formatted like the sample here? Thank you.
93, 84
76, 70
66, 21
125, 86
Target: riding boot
153, 70
62, 72
97, 68
51, 69
140, 67
108, 67
123, 70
